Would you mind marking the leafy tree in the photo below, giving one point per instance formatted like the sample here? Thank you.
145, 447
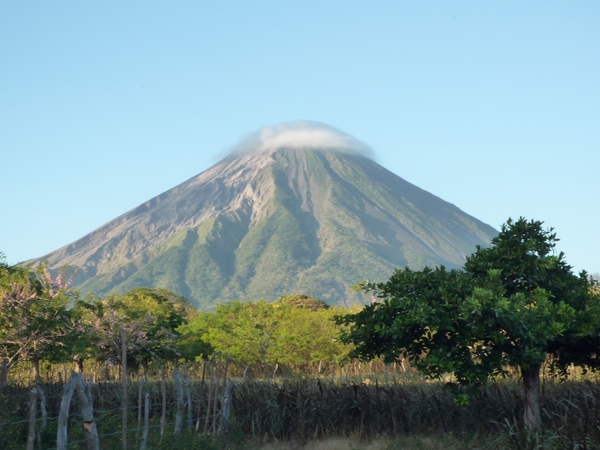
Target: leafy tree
303, 301
146, 318
306, 336
219, 331
294, 333
35, 314
512, 304
243, 330
163, 312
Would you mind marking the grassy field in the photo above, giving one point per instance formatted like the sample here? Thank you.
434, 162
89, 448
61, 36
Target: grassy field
315, 414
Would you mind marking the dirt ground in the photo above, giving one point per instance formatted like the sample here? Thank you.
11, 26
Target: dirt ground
328, 444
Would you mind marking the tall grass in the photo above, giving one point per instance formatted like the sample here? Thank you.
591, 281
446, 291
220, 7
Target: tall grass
307, 409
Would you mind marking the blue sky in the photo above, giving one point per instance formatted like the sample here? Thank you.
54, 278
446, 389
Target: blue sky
493, 106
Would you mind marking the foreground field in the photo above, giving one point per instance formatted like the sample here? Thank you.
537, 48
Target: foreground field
314, 414
406, 443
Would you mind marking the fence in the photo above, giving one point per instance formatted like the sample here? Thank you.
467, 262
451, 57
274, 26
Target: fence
167, 406
175, 410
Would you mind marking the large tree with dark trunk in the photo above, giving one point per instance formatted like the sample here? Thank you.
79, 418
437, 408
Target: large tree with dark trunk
514, 303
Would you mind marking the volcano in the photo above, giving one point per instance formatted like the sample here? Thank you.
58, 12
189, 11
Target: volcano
296, 208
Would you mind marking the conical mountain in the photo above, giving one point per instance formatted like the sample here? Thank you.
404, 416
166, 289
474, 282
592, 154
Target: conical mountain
299, 208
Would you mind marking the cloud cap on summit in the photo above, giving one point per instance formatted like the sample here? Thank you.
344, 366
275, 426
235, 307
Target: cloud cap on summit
302, 134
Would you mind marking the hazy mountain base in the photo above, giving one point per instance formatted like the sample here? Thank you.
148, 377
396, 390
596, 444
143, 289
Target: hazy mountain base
308, 221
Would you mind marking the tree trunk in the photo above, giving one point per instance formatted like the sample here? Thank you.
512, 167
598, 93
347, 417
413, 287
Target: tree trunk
3, 373
531, 385
36, 370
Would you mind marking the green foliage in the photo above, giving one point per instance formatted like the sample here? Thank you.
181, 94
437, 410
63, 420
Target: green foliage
43, 320
147, 318
303, 301
513, 304
295, 333
35, 314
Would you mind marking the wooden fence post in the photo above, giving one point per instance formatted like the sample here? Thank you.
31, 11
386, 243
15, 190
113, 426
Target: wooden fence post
216, 395
124, 366
86, 403
32, 413
163, 386
210, 393
200, 396
180, 405
140, 393
224, 423
189, 404
63, 415
44, 413
146, 422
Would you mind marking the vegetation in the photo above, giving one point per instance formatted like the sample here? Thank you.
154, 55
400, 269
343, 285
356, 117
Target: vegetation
514, 304
305, 221
35, 320
43, 320
515, 310
409, 414
295, 335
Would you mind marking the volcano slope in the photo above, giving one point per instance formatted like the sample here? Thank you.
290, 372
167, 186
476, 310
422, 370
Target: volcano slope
273, 222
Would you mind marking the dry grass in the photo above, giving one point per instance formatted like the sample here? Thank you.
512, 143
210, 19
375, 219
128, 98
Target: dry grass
407, 443
327, 444
324, 415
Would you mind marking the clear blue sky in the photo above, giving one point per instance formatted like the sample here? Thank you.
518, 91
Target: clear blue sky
493, 106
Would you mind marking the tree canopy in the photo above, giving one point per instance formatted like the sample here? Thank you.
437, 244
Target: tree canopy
35, 316
512, 304
147, 318
43, 319
293, 333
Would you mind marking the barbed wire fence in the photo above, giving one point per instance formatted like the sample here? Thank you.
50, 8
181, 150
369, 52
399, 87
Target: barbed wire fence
167, 406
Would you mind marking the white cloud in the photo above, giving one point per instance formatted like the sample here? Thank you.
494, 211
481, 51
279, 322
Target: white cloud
302, 134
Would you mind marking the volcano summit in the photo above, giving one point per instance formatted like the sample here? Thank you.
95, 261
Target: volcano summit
298, 207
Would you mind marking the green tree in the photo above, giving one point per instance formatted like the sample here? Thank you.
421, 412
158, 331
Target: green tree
147, 318
243, 330
35, 315
512, 304
306, 335
303, 301
293, 333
